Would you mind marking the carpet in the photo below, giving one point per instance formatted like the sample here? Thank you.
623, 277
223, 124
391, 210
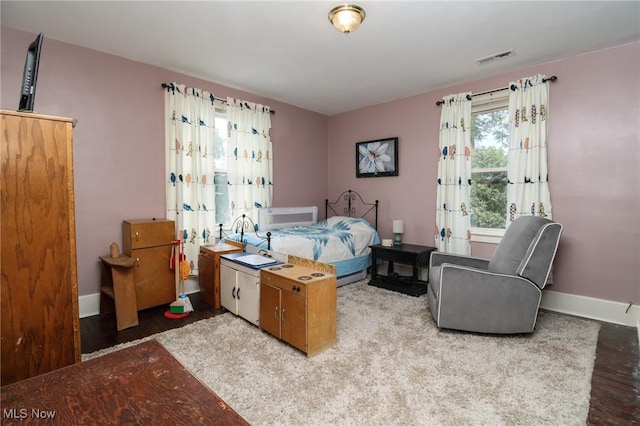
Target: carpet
392, 365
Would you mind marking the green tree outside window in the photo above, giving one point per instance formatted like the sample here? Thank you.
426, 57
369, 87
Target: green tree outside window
490, 143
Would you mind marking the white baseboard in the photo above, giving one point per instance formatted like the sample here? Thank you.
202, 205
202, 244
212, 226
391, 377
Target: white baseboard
89, 305
592, 308
581, 306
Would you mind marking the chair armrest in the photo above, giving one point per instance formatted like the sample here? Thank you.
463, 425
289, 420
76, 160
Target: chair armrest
483, 280
438, 258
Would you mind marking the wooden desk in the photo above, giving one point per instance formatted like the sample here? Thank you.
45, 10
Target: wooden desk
142, 384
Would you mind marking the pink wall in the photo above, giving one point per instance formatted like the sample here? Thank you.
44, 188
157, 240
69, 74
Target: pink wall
594, 167
119, 158
119, 138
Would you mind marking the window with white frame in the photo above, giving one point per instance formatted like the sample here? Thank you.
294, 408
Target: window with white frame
490, 144
223, 209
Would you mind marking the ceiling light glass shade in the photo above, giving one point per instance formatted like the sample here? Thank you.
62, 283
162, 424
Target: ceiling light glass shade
346, 18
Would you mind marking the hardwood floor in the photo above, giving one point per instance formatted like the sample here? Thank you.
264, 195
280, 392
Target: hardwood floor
99, 331
615, 384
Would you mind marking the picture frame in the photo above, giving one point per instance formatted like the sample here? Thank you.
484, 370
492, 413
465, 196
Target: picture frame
377, 158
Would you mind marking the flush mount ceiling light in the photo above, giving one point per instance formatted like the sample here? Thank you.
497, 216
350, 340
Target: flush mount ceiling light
347, 17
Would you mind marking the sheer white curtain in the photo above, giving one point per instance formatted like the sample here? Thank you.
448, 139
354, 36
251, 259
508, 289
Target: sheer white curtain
453, 223
189, 143
250, 157
527, 173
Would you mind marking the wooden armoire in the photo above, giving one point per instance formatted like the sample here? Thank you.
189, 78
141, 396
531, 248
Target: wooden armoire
40, 318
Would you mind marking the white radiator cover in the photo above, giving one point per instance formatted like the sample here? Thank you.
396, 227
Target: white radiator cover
283, 217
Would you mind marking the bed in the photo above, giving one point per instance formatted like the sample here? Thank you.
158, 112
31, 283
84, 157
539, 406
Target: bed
342, 239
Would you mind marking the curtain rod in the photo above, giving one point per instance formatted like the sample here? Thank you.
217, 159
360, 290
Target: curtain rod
544, 80
167, 85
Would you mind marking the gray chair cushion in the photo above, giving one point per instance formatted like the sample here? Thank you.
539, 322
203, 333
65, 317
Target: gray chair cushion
515, 243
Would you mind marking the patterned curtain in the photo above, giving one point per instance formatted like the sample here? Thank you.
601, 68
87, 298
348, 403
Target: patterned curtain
528, 187
453, 222
189, 142
250, 157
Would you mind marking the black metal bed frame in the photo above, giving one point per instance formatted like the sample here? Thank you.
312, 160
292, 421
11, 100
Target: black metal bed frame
243, 224
349, 196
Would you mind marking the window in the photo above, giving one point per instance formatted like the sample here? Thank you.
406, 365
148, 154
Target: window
490, 144
220, 180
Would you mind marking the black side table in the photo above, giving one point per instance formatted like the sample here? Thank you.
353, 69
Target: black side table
410, 254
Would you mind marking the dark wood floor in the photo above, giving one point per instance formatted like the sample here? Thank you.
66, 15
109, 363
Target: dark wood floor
99, 332
615, 384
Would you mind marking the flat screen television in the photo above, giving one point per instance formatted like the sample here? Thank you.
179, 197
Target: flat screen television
30, 75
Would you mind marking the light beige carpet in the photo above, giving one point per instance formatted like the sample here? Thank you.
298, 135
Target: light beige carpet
391, 365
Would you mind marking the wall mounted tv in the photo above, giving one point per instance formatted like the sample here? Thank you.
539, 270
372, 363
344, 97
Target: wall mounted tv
30, 75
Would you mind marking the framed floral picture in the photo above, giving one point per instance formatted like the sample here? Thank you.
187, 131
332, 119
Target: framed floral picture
377, 158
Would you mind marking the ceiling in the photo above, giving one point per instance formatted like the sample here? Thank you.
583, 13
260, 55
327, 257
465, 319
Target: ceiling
288, 51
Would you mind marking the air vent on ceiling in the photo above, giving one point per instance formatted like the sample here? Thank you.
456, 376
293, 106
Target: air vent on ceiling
495, 57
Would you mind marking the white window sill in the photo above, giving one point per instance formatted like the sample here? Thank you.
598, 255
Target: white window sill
486, 235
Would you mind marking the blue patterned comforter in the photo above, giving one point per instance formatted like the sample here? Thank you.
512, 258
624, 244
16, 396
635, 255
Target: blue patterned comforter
334, 239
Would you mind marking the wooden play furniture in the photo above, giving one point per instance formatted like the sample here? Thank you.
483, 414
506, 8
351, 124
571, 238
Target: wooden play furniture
117, 282
149, 243
302, 314
209, 271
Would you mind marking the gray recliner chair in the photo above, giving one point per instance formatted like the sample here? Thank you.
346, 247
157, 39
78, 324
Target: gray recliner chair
501, 295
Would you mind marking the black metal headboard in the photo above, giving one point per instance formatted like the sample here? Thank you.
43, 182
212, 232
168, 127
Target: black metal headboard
243, 224
351, 204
